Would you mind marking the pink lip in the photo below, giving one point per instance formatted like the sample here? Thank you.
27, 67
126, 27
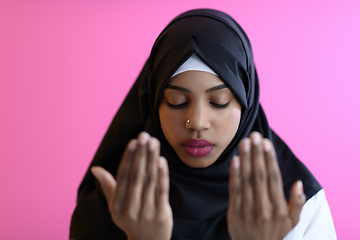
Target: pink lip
197, 147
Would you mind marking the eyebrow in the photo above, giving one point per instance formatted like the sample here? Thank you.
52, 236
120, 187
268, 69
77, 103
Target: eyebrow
181, 89
218, 87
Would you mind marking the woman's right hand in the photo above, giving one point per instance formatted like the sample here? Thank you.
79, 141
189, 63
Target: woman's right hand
138, 199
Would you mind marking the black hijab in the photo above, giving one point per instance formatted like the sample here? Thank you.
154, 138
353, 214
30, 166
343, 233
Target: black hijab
198, 197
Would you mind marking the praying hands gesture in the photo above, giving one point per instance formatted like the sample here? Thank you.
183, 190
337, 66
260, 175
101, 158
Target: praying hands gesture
257, 207
138, 199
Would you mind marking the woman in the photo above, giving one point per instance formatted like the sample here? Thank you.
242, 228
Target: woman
198, 97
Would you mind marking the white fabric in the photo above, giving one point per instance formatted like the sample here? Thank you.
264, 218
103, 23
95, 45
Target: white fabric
194, 63
315, 221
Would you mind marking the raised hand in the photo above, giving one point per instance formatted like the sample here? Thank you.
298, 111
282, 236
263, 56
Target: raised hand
138, 199
257, 205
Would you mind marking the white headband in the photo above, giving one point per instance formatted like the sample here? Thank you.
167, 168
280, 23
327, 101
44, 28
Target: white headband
194, 63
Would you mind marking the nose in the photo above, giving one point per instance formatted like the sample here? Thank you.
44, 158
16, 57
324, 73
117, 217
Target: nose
199, 118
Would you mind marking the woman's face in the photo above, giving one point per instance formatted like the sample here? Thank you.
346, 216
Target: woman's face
199, 116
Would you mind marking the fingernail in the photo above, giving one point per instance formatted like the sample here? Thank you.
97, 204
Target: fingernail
132, 145
161, 163
246, 145
299, 187
93, 171
151, 145
267, 146
256, 139
236, 163
143, 138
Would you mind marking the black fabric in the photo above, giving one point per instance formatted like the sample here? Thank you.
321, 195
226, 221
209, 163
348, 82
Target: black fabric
199, 197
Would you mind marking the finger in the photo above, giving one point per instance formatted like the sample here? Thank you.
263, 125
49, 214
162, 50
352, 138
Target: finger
136, 177
259, 173
275, 185
234, 185
297, 200
151, 180
106, 180
163, 186
246, 179
122, 176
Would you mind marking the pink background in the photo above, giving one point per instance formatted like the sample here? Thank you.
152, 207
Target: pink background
65, 67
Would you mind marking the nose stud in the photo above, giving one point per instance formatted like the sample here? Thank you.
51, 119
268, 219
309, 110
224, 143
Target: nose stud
188, 121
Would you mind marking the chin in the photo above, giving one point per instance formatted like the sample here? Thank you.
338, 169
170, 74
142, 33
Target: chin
194, 162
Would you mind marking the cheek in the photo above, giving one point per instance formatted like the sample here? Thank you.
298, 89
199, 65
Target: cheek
235, 116
228, 123
232, 116
169, 121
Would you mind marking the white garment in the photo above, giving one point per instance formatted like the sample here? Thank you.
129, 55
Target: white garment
315, 221
194, 63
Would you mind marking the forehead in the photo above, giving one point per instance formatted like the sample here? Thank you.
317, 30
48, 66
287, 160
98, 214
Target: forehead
195, 80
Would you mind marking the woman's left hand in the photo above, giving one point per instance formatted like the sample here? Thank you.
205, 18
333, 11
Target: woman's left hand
257, 205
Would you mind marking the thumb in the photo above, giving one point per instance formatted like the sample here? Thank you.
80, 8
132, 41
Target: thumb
106, 180
297, 200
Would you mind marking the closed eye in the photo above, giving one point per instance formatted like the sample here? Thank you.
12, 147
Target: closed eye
176, 106
220, 105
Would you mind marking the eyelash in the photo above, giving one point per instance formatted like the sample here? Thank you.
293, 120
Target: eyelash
221, 106
179, 106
